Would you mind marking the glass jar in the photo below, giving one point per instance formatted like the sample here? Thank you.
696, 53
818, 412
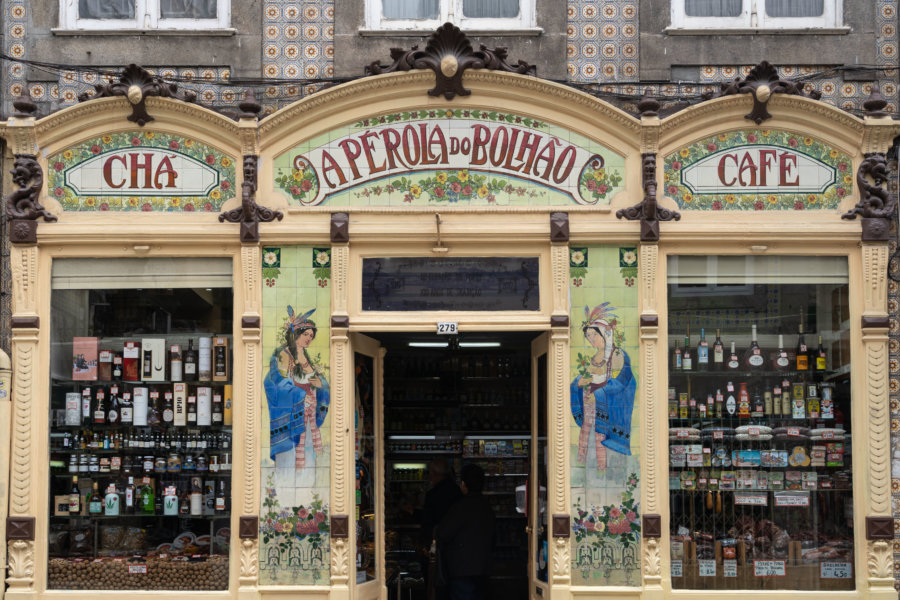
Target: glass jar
160, 465
147, 464
202, 465
174, 463
188, 464
94, 465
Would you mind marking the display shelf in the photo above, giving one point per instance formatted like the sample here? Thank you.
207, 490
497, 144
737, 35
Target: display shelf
226, 516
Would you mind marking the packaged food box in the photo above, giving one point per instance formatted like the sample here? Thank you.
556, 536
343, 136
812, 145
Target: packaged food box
793, 480
773, 458
809, 480
745, 458
776, 480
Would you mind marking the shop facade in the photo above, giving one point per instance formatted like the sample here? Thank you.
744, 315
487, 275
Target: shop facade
203, 309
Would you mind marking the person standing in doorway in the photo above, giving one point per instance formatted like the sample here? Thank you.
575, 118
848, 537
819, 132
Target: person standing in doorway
438, 499
465, 539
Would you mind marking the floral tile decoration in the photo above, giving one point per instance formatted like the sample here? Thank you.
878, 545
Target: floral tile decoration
67, 160
678, 163
605, 425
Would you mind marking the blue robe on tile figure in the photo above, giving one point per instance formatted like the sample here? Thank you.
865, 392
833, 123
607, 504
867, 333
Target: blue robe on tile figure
603, 399
296, 391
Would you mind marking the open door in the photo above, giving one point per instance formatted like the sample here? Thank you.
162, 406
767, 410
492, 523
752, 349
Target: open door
538, 521
368, 361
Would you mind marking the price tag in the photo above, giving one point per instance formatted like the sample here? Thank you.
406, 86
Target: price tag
729, 568
718, 435
793, 431
835, 570
827, 435
751, 499
730, 387
753, 431
768, 568
713, 482
137, 569
792, 499
707, 568
676, 569
777, 391
682, 433
447, 327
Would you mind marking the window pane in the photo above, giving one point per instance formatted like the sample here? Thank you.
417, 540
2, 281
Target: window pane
366, 471
411, 9
188, 9
483, 9
795, 8
106, 9
712, 8
760, 423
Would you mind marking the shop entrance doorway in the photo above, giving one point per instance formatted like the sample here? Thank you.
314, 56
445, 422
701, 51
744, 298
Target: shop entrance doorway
446, 404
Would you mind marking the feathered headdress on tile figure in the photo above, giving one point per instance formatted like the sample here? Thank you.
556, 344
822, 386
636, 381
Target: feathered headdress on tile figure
601, 316
295, 323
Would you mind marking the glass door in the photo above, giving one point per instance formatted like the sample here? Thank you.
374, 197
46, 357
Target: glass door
537, 479
367, 378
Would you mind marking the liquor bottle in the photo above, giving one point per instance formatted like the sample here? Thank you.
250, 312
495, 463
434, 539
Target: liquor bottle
802, 352
131, 357
192, 411
786, 398
184, 504
677, 362
204, 360
196, 497
221, 498
730, 402
100, 408
204, 406
218, 412
168, 412
113, 411
702, 351
111, 501
75, 497
117, 367
86, 401
126, 409
221, 368
154, 416
758, 406
227, 393
821, 356
189, 358
687, 361
129, 496
170, 501
743, 401
782, 362
95, 502
753, 359
147, 368
718, 360
147, 500
733, 363
175, 363
720, 401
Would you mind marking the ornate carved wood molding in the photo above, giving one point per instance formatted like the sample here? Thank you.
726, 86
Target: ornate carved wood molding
875, 267
136, 84
876, 206
559, 485
20, 565
648, 211
23, 206
875, 344
250, 214
761, 82
342, 461
449, 54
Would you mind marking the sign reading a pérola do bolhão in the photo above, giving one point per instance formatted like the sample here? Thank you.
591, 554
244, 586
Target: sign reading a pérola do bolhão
433, 157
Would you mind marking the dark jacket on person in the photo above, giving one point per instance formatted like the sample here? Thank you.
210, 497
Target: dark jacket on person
438, 501
465, 537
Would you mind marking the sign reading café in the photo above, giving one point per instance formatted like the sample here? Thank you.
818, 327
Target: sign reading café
450, 156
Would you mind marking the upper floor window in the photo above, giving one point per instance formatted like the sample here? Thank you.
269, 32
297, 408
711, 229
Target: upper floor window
467, 14
145, 14
756, 14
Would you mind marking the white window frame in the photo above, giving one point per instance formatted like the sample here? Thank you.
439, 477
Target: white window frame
452, 11
147, 15
753, 17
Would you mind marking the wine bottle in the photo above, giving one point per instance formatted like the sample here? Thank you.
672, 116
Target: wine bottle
189, 359
184, 505
113, 412
687, 361
127, 409
168, 412
677, 362
86, 403
218, 412
147, 367
782, 362
702, 351
718, 354
821, 356
100, 408
802, 361
221, 498
117, 367
175, 368
95, 502
733, 363
753, 359
75, 497
192, 411
129, 496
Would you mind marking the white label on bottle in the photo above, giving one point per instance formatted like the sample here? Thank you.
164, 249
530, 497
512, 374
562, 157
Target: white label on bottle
190, 368
733, 363
99, 416
706, 568
220, 503
175, 368
687, 363
168, 415
113, 415
204, 406
73, 408
677, 569
703, 353
835, 570
755, 360
718, 354
127, 414
729, 568
131, 350
768, 568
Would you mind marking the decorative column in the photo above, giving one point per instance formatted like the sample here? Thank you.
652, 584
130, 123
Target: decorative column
248, 426
342, 405
559, 491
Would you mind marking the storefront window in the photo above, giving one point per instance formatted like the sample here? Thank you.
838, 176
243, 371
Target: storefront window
366, 471
140, 424
760, 423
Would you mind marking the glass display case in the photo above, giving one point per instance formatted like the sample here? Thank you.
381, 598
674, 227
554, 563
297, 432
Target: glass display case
140, 424
759, 409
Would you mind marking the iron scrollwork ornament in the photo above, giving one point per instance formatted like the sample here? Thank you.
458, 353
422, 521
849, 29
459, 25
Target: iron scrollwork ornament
648, 211
22, 205
875, 206
250, 214
136, 84
761, 82
449, 53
